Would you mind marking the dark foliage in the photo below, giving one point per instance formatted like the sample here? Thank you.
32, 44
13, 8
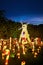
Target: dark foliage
10, 28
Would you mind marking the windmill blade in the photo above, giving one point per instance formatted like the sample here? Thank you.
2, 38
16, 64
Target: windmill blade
27, 22
19, 28
21, 22
24, 22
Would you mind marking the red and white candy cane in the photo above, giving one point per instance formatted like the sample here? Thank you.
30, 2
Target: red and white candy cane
7, 53
3, 51
7, 57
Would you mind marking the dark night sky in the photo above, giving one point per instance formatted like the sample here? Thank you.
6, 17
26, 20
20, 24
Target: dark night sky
23, 10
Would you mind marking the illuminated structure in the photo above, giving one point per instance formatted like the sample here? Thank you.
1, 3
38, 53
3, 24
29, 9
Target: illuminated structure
24, 36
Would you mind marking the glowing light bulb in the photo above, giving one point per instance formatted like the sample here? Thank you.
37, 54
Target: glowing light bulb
23, 63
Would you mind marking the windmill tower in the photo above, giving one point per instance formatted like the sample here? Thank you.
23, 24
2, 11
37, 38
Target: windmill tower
24, 36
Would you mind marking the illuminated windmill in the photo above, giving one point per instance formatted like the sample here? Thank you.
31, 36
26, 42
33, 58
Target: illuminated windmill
24, 36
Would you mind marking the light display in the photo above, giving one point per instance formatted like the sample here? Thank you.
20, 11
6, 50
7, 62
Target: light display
22, 46
24, 34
